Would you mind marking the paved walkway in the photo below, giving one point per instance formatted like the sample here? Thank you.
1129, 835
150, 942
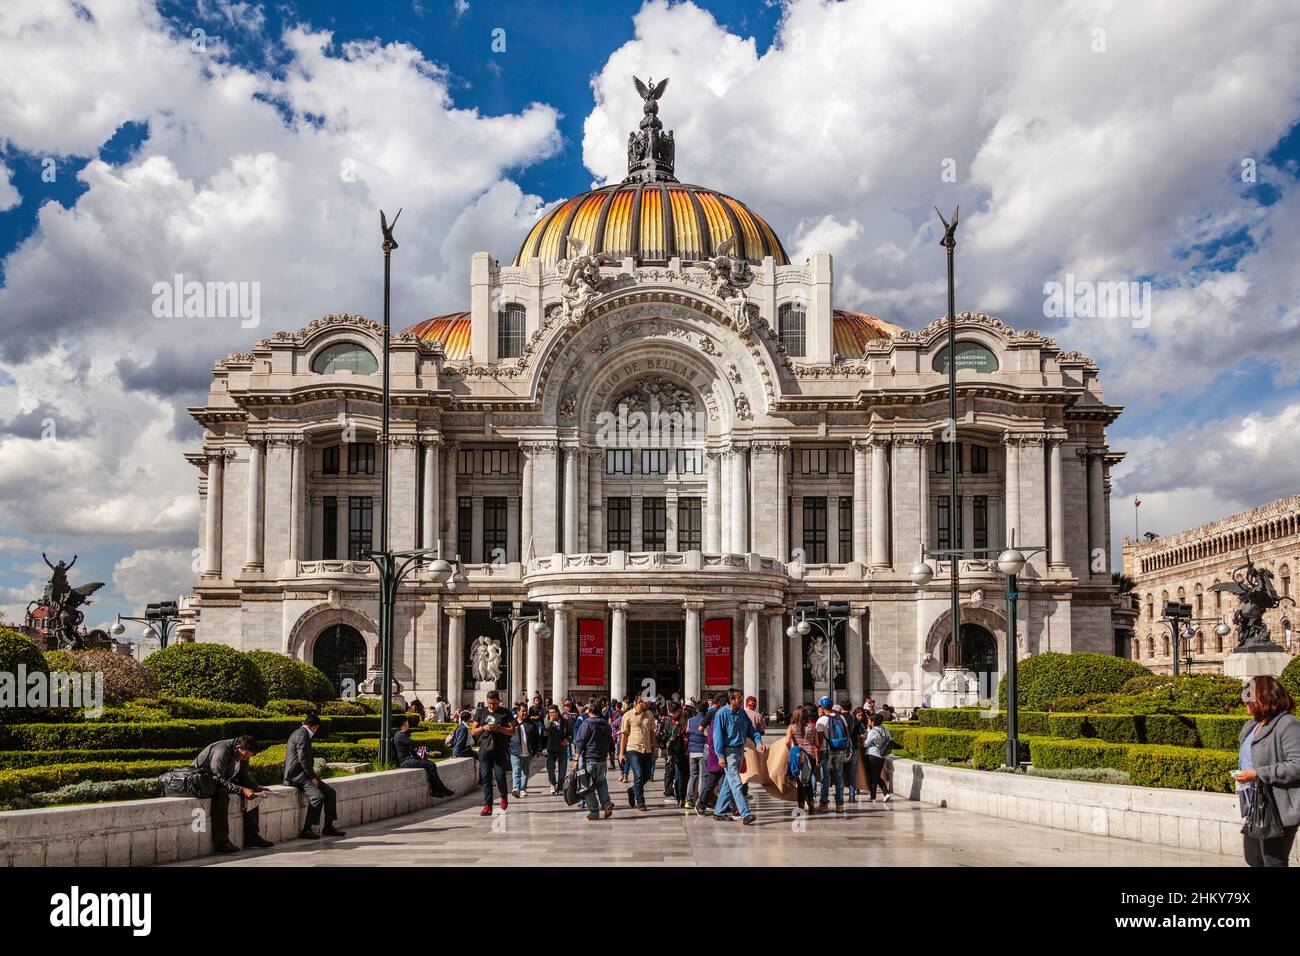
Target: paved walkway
541, 830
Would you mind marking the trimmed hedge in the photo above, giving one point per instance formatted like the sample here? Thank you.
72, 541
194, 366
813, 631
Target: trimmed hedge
166, 735
1290, 678
1053, 754
20, 759
184, 708
287, 678
289, 708
1183, 768
1176, 730
1044, 677
208, 671
19, 649
125, 678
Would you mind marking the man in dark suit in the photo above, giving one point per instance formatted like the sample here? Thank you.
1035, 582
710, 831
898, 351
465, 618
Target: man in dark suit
227, 762
300, 772
408, 758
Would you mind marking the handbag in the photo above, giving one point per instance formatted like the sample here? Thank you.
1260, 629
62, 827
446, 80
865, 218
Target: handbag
583, 782
187, 782
571, 790
1263, 822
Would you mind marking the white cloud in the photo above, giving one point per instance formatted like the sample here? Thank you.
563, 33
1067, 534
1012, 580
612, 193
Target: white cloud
153, 574
9, 196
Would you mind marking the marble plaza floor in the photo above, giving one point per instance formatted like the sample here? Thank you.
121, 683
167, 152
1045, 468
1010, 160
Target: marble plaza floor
541, 830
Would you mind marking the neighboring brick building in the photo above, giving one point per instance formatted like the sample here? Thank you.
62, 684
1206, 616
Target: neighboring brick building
1183, 566
818, 469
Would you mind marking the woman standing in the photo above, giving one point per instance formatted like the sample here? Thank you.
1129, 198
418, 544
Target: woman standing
802, 734
1270, 757
875, 747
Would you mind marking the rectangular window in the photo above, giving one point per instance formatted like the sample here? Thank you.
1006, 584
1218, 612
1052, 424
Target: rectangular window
330, 523
618, 461
494, 530
814, 530
329, 462
812, 461
947, 540
846, 530
654, 461
618, 524
510, 331
979, 460
942, 452
654, 524
980, 517
360, 526
361, 458
465, 528
465, 461
689, 511
690, 461
841, 461
500, 461
792, 321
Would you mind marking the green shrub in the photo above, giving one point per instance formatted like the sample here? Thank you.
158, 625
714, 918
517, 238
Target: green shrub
958, 718
1182, 768
937, 744
195, 708
989, 751
164, 735
289, 708
1290, 678
1085, 774
19, 759
287, 678
1050, 753
1032, 723
1218, 733
207, 671
60, 661
88, 791
1169, 730
125, 678
347, 707
1115, 728
20, 783
1044, 677
1068, 726
1080, 703
15, 650
1146, 682
133, 712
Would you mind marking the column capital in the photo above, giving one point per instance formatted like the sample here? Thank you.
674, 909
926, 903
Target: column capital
534, 447
619, 606
693, 606
431, 439
403, 441
285, 438
880, 439
560, 607
219, 454
914, 439
771, 446
454, 611
750, 607
256, 440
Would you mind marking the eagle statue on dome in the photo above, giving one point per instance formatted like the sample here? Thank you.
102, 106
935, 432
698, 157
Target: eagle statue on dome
731, 275
581, 278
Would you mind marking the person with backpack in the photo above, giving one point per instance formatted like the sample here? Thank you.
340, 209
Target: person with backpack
876, 746
459, 740
801, 739
833, 744
591, 748
493, 732
555, 736
666, 730
696, 740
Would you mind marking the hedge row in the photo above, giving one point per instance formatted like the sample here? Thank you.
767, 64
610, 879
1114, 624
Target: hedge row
1214, 731
166, 734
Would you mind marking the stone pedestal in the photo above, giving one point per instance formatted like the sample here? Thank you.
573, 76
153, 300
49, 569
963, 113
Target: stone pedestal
1259, 661
957, 688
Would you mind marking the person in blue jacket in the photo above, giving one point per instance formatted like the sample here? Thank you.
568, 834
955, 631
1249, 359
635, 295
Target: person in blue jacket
731, 728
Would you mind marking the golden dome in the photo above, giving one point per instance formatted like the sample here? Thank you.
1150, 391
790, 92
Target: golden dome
652, 222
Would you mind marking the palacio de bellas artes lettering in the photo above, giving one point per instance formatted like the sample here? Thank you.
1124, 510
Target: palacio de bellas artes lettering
723, 433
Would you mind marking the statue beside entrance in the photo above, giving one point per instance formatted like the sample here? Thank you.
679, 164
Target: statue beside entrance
485, 662
821, 653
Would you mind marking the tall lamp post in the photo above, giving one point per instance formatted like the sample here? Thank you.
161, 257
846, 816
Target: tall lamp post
1010, 562
808, 615
530, 612
389, 574
949, 243
160, 618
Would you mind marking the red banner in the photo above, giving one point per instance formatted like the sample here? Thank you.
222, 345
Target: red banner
591, 652
717, 652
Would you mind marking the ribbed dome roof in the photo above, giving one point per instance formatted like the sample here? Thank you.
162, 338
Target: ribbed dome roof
652, 222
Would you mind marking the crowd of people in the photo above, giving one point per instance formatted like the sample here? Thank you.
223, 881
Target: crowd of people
699, 745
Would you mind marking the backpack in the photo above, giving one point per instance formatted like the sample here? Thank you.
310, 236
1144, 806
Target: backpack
837, 733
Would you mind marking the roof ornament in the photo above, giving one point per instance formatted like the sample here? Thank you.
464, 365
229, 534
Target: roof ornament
729, 276
650, 150
581, 278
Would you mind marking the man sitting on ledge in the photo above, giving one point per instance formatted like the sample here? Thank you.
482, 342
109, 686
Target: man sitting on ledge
300, 773
409, 757
227, 762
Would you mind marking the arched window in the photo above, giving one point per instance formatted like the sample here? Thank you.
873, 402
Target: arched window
345, 357
792, 325
1151, 608
1284, 578
1151, 647
1200, 599
1287, 632
1164, 646
1200, 642
1218, 597
1137, 648
510, 330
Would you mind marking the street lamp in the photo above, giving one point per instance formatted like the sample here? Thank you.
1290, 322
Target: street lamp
809, 616
158, 621
511, 622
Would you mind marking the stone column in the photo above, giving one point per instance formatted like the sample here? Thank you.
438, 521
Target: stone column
298, 502
853, 646
533, 676
694, 676
525, 500
860, 452
739, 490
775, 661
545, 483
212, 523
879, 503
256, 496
571, 500
618, 652
455, 655
559, 651
782, 503
794, 661
1057, 542
1012, 524
1097, 511
923, 495
596, 500
429, 495
518, 674
450, 513
713, 504
749, 670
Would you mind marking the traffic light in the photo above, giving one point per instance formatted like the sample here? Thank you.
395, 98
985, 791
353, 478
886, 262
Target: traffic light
501, 610
160, 611
837, 610
1177, 610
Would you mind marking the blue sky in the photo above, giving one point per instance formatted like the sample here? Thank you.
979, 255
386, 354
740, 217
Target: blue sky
831, 119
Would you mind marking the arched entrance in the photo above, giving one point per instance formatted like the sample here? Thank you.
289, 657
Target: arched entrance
340, 652
979, 649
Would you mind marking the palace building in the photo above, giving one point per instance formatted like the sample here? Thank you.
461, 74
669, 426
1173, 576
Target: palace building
1185, 566
658, 427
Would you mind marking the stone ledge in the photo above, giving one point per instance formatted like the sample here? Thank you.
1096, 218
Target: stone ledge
1189, 819
146, 832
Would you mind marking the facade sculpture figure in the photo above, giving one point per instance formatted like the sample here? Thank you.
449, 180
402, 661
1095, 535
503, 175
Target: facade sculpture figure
485, 660
730, 275
820, 653
581, 278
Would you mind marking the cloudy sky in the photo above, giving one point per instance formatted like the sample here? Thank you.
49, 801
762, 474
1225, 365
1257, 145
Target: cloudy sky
1152, 143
